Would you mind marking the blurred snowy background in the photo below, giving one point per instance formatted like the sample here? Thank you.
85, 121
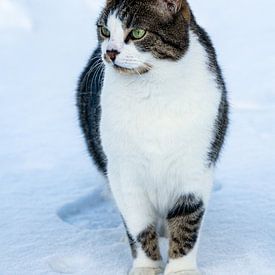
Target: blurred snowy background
54, 214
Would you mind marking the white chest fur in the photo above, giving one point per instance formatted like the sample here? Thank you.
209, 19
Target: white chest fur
159, 126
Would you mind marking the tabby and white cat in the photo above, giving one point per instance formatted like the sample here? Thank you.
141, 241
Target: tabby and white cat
154, 111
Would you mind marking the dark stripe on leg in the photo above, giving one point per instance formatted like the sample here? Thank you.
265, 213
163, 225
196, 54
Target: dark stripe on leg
149, 243
184, 222
132, 242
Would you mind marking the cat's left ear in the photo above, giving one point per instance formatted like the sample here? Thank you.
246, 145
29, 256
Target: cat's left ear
175, 6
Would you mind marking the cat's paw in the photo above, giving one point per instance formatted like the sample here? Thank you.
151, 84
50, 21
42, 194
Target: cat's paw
184, 272
146, 271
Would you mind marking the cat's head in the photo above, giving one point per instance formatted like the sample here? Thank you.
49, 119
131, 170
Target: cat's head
135, 34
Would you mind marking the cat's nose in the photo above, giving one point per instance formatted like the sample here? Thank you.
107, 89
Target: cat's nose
112, 54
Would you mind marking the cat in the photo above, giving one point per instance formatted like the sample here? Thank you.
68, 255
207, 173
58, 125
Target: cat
154, 111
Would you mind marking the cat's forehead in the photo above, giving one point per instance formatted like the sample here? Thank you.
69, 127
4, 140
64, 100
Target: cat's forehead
125, 7
116, 26
131, 13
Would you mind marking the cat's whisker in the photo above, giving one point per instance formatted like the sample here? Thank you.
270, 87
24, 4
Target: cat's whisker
132, 82
94, 67
137, 71
98, 69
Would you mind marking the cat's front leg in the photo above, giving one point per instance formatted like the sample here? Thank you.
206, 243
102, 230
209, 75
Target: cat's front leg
184, 222
146, 253
140, 221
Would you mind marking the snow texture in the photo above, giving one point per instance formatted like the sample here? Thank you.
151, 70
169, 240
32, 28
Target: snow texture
12, 15
56, 216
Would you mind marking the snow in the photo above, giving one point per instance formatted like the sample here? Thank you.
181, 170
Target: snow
56, 216
12, 15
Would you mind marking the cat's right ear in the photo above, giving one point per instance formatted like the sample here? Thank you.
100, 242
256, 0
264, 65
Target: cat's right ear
110, 2
172, 6
175, 6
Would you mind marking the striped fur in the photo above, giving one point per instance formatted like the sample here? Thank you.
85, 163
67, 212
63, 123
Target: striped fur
149, 243
184, 222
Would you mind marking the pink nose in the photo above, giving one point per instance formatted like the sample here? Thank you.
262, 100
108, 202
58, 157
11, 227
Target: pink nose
113, 54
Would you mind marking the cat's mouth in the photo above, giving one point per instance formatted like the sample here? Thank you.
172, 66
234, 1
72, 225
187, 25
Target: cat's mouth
145, 68
139, 70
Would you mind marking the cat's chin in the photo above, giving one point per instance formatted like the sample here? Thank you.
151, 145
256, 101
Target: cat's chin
134, 71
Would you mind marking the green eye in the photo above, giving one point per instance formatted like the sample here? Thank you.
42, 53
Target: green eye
138, 33
105, 32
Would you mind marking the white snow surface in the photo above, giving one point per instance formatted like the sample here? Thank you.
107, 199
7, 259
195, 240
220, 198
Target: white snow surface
56, 216
12, 15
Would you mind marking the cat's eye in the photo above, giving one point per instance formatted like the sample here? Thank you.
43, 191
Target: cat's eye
137, 34
105, 32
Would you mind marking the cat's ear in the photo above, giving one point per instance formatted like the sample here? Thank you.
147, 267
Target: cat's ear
172, 6
110, 2
175, 6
